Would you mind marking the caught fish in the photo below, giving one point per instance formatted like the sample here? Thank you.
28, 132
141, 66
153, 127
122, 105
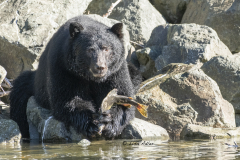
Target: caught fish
113, 98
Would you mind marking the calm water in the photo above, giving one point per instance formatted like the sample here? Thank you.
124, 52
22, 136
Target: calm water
118, 149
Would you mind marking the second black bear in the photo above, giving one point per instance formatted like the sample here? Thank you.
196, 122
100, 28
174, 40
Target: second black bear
82, 62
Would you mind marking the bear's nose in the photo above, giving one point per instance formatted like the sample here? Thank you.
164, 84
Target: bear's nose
100, 67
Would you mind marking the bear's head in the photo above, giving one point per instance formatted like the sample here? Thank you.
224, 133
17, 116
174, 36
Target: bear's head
97, 50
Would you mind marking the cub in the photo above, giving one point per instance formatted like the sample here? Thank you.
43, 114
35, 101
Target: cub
82, 62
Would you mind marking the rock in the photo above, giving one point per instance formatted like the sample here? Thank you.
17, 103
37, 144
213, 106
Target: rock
43, 126
226, 72
196, 131
237, 57
84, 142
172, 10
182, 94
146, 58
237, 118
222, 16
27, 26
140, 129
183, 43
9, 132
139, 16
190, 43
3, 74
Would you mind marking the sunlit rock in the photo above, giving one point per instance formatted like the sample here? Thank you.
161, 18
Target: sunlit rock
197, 131
182, 94
226, 72
140, 129
222, 16
180, 43
140, 17
27, 26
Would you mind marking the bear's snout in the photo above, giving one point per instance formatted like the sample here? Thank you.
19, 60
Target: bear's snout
99, 70
101, 67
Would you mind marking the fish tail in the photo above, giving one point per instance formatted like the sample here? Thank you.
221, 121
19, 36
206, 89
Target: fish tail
142, 109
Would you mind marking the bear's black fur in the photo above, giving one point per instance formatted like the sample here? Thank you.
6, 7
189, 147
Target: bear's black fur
82, 62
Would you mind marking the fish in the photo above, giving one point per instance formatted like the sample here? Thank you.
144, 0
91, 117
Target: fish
113, 98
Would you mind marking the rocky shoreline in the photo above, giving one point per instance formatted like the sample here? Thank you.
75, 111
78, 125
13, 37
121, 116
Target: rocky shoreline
188, 52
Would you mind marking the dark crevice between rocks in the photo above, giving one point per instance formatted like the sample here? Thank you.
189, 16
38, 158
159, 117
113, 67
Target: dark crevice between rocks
182, 7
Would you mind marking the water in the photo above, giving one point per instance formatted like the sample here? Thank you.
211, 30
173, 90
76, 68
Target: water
120, 149
45, 126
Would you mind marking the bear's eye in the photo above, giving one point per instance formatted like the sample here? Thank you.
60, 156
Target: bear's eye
90, 50
105, 49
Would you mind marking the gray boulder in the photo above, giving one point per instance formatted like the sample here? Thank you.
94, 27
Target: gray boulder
226, 72
172, 10
140, 129
43, 126
27, 26
140, 17
183, 43
222, 16
9, 132
196, 131
182, 94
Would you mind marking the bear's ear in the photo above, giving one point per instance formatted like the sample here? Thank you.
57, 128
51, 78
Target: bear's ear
75, 28
118, 30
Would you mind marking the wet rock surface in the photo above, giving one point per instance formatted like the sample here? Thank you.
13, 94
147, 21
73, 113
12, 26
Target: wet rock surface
43, 126
9, 132
196, 131
182, 94
226, 72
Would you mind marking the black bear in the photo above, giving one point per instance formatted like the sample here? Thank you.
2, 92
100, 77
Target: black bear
82, 62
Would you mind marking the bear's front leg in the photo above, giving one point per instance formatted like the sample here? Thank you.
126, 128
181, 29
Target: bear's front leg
79, 114
115, 120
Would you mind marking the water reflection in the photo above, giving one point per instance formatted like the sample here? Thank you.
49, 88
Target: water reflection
120, 149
